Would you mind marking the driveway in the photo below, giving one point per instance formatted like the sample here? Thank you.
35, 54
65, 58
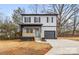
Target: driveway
63, 47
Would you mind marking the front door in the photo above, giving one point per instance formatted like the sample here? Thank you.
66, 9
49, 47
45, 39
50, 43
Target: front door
37, 33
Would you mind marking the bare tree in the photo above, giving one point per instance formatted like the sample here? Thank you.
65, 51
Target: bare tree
34, 8
37, 9
65, 12
16, 16
75, 23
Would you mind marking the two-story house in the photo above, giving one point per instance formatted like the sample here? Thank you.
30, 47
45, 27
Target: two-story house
39, 26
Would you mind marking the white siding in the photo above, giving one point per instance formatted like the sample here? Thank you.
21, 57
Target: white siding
44, 21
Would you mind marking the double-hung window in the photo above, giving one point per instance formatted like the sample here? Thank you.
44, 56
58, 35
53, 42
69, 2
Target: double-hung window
37, 19
27, 19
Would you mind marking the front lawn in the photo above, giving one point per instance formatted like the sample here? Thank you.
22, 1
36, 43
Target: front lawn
11, 47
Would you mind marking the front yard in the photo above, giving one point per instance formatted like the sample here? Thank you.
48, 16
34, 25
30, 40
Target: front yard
14, 47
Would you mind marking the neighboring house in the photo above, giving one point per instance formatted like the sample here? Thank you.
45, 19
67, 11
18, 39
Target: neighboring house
39, 26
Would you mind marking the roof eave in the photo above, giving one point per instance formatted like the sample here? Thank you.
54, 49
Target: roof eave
39, 14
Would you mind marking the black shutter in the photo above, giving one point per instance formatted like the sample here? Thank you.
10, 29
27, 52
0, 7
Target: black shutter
52, 20
24, 19
47, 19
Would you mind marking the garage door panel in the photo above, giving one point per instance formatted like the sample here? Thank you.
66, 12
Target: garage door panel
49, 34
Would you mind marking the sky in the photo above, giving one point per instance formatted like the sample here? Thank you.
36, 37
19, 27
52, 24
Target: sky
7, 9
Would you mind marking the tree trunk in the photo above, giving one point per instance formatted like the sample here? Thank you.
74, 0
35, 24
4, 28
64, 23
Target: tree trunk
73, 31
58, 27
74, 25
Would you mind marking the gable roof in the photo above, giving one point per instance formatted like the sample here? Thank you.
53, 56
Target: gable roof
39, 14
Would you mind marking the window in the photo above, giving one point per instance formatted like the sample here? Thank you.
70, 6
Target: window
47, 19
27, 19
37, 19
29, 30
24, 19
52, 19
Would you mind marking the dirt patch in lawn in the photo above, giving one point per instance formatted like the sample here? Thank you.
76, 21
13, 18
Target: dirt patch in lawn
23, 48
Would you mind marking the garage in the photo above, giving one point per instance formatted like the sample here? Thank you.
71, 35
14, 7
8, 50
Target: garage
49, 34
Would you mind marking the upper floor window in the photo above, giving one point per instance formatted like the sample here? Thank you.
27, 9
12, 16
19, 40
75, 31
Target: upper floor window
47, 19
27, 19
37, 19
52, 19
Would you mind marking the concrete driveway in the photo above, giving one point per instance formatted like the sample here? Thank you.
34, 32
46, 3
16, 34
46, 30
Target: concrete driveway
63, 47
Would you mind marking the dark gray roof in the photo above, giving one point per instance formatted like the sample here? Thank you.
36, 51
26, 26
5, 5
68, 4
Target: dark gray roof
39, 14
